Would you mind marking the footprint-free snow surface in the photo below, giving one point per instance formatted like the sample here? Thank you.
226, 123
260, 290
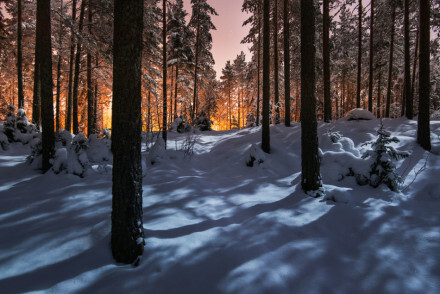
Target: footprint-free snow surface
214, 225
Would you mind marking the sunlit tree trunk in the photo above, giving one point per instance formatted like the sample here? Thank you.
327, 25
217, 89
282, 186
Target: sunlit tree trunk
423, 128
276, 64
164, 65
127, 236
90, 103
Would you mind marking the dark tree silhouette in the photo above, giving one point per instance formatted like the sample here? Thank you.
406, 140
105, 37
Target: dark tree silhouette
127, 237
286, 33
68, 123
407, 90
20, 56
326, 55
265, 145
359, 62
371, 77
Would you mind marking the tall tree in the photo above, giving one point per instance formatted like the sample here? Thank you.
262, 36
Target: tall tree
310, 161
359, 61
60, 44
77, 69
227, 80
127, 237
43, 53
286, 34
164, 72
326, 56
276, 64
423, 127
20, 56
371, 77
265, 144
68, 123
90, 96
201, 24
390, 62
407, 78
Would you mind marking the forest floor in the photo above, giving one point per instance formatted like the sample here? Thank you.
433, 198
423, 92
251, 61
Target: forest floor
214, 225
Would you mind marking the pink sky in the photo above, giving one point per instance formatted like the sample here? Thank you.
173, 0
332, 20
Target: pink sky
226, 39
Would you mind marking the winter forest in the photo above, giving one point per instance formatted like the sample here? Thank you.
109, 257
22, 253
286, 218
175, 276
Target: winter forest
132, 162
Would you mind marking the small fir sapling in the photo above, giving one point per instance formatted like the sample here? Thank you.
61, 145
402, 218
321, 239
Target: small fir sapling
25, 131
250, 120
59, 162
77, 161
180, 125
203, 122
235, 125
4, 142
35, 159
63, 138
334, 136
383, 170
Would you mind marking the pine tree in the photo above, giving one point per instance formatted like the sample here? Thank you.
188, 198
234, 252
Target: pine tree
227, 80
310, 161
286, 34
359, 61
407, 78
371, 77
91, 128
326, 55
20, 57
68, 122
164, 72
127, 237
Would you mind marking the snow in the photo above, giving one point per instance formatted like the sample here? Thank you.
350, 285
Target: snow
359, 114
214, 225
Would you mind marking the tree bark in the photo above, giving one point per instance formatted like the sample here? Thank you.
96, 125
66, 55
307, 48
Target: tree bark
379, 93
77, 69
423, 125
371, 77
68, 123
286, 33
90, 97
276, 64
164, 80
44, 51
175, 91
326, 55
20, 57
390, 62
259, 63
194, 108
266, 78
310, 161
359, 62
408, 97
127, 237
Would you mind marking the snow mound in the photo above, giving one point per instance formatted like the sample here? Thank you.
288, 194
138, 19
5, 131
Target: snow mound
255, 156
157, 153
358, 114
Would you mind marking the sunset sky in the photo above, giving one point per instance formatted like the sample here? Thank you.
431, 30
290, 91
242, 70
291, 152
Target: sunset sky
229, 33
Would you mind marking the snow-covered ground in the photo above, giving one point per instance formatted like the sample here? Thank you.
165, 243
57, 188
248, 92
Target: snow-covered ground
214, 225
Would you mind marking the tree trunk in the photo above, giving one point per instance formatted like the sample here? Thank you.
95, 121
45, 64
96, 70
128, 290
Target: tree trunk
175, 91
286, 33
44, 51
359, 62
266, 78
20, 57
95, 107
229, 105
390, 62
127, 237
408, 97
77, 69
259, 63
326, 55
194, 109
413, 79
276, 63
164, 80
379, 93
68, 123
423, 127
371, 77
90, 96
310, 161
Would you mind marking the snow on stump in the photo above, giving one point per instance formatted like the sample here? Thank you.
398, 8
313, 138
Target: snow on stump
359, 114
254, 156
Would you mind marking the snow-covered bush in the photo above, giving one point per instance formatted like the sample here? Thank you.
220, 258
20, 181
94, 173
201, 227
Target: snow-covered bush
435, 115
24, 131
4, 142
359, 114
383, 170
63, 138
77, 161
59, 162
106, 134
334, 136
187, 145
203, 122
9, 124
250, 120
98, 149
157, 153
180, 125
35, 159
255, 156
